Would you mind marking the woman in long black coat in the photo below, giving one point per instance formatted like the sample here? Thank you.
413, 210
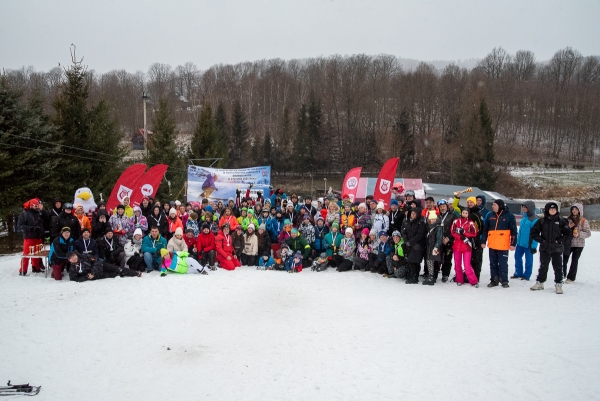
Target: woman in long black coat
414, 234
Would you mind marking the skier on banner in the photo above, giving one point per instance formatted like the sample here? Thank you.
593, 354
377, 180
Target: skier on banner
208, 187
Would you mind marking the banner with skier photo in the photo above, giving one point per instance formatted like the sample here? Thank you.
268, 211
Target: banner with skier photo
217, 184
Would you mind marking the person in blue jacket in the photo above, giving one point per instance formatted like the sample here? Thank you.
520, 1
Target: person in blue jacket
528, 220
266, 262
275, 226
151, 246
321, 231
382, 263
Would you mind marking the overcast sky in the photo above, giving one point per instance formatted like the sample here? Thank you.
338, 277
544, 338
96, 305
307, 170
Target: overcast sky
131, 35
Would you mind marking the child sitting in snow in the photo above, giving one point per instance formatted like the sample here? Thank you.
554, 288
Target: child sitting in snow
281, 256
294, 264
321, 263
179, 262
266, 262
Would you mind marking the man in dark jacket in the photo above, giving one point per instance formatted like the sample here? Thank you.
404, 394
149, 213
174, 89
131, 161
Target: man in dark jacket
32, 226
68, 219
100, 224
61, 246
414, 233
396, 217
446, 218
85, 267
56, 210
550, 232
500, 233
86, 245
110, 249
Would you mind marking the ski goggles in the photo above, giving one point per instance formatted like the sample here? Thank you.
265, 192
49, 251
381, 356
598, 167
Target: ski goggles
442, 202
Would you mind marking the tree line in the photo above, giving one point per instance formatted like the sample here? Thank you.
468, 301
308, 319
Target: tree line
328, 114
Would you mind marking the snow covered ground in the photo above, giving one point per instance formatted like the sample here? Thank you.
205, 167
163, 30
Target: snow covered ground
256, 335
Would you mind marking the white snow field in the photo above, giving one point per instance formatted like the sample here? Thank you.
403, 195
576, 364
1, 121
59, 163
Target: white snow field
263, 335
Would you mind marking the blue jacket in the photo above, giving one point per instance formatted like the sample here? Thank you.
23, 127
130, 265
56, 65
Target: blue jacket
384, 249
270, 262
274, 229
59, 249
153, 246
527, 222
320, 233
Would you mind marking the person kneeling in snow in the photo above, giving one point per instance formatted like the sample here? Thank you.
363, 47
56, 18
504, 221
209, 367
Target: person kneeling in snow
266, 262
226, 255
294, 264
321, 263
179, 262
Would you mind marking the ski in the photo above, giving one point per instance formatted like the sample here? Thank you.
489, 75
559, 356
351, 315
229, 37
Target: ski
29, 391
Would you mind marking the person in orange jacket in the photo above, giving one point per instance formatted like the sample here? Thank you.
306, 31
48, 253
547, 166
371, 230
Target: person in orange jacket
228, 218
174, 222
84, 222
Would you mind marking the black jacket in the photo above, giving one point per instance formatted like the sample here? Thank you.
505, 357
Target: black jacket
79, 271
54, 229
159, 221
98, 227
396, 219
414, 235
446, 220
31, 224
87, 247
68, 220
550, 232
109, 250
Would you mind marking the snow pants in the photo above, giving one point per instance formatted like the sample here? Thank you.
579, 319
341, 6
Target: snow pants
249, 260
343, 264
545, 258
36, 264
57, 269
360, 263
228, 264
112, 271
477, 260
446, 261
413, 272
194, 266
460, 259
498, 266
521, 252
576, 252
207, 257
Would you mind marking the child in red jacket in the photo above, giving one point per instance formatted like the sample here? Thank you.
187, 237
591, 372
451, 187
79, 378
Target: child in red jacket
205, 246
463, 230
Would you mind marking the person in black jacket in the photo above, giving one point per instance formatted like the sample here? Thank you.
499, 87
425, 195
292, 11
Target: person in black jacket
446, 218
32, 226
158, 219
100, 223
61, 246
86, 245
56, 210
396, 217
550, 232
68, 219
110, 249
146, 207
414, 234
86, 267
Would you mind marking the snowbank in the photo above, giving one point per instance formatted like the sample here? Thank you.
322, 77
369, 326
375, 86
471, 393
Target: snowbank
256, 335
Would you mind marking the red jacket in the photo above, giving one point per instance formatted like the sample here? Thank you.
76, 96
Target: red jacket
190, 242
470, 232
206, 242
173, 224
233, 223
224, 244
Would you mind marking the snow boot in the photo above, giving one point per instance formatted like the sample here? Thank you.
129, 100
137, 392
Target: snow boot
444, 279
428, 281
505, 285
493, 284
569, 281
476, 285
537, 286
459, 284
558, 288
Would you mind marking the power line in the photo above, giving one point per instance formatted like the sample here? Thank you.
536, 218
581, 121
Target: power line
57, 144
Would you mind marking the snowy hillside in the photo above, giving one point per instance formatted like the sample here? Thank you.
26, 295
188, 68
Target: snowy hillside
256, 335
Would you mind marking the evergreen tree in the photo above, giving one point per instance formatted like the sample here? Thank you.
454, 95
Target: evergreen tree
302, 142
28, 157
314, 132
223, 134
163, 149
404, 140
267, 150
477, 151
239, 135
282, 145
206, 142
90, 128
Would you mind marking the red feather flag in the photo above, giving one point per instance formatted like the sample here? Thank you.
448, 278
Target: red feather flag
350, 185
385, 181
148, 184
125, 185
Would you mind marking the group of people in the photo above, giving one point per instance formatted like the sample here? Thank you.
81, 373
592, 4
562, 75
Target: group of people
409, 239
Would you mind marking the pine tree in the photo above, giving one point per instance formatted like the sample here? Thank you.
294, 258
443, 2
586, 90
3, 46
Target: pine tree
223, 134
164, 149
404, 141
315, 115
239, 135
267, 150
29, 165
477, 151
282, 145
302, 141
206, 142
89, 128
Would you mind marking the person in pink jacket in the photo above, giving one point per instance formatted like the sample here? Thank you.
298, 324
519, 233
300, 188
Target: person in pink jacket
464, 231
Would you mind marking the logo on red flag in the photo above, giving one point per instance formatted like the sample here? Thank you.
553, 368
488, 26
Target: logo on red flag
147, 190
384, 186
384, 181
352, 183
123, 193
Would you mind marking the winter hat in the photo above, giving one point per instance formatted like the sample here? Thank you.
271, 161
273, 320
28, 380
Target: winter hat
396, 233
178, 231
177, 203
364, 205
120, 206
432, 215
365, 231
306, 216
472, 199
138, 231
251, 211
208, 208
383, 233
205, 225
106, 230
262, 227
380, 205
410, 193
244, 209
251, 226
231, 199
137, 209
194, 216
320, 218
298, 255
294, 231
349, 230
500, 204
336, 225
172, 211
394, 202
163, 252
190, 230
85, 229
286, 222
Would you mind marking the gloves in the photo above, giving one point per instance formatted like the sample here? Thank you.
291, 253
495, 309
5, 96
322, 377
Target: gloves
462, 237
460, 230
533, 251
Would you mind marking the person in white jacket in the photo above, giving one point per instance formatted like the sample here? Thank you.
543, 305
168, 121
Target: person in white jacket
134, 244
381, 221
